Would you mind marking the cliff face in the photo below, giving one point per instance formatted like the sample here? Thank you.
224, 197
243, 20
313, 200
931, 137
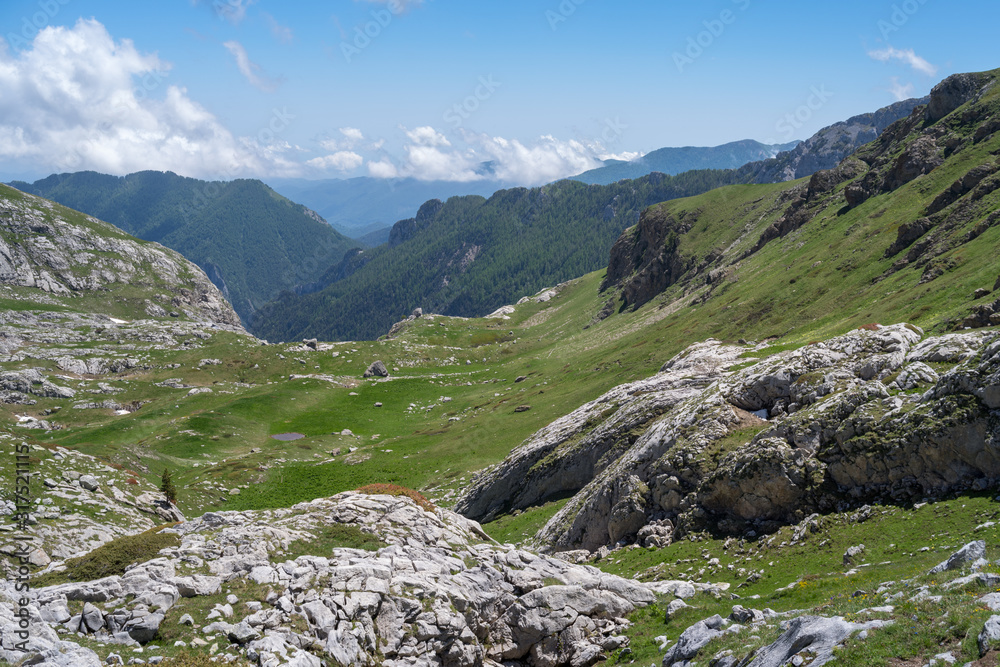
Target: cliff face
858, 417
646, 262
61, 256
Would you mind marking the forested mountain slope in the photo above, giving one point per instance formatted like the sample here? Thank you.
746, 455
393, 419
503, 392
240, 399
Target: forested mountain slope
472, 255
251, 241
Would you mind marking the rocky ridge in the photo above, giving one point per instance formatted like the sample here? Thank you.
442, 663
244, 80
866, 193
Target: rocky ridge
64, 254
825, 149
959, 115
858, 418
440, 593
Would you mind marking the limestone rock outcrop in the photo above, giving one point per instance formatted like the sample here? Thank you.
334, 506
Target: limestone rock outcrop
440, 593
858, 418
42, 246
568, 453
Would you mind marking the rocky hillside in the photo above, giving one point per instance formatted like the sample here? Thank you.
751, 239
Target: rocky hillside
881, 413
860, 418
426, 587
250, 241
58, 257
934, 171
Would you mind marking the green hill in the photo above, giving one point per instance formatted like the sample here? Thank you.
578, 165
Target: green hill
251, 241
473, 255
470, 255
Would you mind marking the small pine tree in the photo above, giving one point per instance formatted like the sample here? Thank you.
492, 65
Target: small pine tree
167, 486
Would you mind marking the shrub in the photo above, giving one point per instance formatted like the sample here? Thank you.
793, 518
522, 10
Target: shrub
393, 490
112, 558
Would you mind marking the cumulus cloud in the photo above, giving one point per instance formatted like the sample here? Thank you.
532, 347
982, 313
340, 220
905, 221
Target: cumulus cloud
251, 70
907, 56
351, 137
427, 136
383, 169
901, 91
548, 160
431, 156
77, 99
352, 134
341, 161
429, 163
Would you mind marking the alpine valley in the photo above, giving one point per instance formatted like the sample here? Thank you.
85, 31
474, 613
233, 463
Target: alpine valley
726, 417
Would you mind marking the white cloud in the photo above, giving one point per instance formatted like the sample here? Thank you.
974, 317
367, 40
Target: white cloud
429, 163
430, 156
908, 56
427, 136
352, 136
901, 91
626, 156
548, 160
341, 161
383, 169
77, 99
282, 33
251, 70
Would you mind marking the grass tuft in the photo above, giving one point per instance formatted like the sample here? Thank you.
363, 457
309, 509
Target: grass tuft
113, 558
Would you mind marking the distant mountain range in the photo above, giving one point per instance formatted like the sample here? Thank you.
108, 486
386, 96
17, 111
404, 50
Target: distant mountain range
252, 242
677, 160
471, 255
365, 208
464, 257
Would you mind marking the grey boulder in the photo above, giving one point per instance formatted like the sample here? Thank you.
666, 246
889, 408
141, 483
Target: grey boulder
817, 634
989, 637
377, 369
969, 553
693, 640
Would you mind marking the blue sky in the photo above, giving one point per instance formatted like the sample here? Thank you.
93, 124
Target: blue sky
543, 89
